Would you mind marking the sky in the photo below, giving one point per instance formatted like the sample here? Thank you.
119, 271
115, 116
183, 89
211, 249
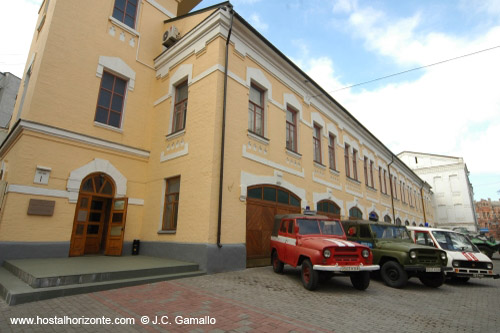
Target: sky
445, 107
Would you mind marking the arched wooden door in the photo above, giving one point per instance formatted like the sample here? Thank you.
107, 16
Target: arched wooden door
97, 218
263, 203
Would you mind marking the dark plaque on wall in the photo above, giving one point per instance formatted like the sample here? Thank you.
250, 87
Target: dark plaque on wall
41, 207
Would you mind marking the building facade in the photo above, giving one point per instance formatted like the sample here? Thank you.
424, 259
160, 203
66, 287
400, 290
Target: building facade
186, 131
9, 85
453, 192
488, 216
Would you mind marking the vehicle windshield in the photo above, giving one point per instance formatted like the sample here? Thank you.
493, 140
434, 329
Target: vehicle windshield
319, 227
453, 241
390, 232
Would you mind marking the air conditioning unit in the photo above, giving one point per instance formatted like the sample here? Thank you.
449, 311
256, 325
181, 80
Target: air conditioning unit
171, 36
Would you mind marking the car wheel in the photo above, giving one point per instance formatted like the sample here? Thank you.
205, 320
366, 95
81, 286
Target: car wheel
393, 274
309, 275
360, 280
277, 263
433, 280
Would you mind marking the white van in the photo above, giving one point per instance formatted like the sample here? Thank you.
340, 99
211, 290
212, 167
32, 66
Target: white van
464, 258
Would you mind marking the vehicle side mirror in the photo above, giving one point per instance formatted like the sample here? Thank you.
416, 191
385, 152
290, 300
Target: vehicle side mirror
352, 231
431, 243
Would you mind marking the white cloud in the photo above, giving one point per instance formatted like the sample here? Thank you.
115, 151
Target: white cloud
344, 6
451, 109
17, 26
257, 22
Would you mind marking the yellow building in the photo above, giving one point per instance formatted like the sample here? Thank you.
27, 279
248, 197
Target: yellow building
186, 131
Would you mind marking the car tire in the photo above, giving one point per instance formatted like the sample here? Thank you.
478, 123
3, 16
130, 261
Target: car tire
308, 275
360, 280
277, 263
393, 274
433, 280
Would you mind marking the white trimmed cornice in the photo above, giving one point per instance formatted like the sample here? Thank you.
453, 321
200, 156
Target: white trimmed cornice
23, 125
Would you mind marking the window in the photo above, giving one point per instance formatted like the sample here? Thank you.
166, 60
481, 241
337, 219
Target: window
180, 107
365, 166
380, 179
111, 99
291, 130
171, 204
371, 174
354, 164
256, 111
331, 152
395, 187
385, 181
346, 160
125, 11
328, 207
317, 143
355, 213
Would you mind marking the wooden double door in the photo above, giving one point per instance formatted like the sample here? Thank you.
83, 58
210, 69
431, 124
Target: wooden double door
99, 221
263, 203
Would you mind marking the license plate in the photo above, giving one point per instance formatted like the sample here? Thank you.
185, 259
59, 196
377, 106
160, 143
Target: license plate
433, 269
350, 268
477, 275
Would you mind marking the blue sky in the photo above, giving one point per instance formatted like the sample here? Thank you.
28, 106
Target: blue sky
448, 109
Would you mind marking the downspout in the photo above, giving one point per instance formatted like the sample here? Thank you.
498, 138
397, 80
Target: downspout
391, 185
423, 202
223, 140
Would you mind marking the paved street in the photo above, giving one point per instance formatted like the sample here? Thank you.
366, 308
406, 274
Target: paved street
259, 300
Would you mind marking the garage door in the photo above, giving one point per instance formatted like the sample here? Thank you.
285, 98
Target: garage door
263, 202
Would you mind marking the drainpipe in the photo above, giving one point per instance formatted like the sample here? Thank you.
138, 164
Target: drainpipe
423, 203
391, 185
223, 140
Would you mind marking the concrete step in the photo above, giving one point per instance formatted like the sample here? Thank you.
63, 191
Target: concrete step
46, 273
15, 291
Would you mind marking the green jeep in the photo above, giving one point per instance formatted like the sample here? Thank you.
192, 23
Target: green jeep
396, 253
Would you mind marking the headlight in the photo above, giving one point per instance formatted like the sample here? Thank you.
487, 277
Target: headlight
413, 254
327, 253
443, 256
489, 266
365, 253
455, 264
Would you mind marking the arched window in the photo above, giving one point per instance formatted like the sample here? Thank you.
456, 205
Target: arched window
373, 216
98, 184
328, 207
414, 224
274, 194
387, 218
355, 213
407, 223
398, 221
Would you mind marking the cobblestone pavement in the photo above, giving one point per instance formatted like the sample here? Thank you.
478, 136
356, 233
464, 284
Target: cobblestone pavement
259, 300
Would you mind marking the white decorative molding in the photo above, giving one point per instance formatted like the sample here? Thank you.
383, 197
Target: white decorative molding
124, 26
248, 179
356, 204
328, 195
269, 163
324, 182
168, 157
117, 66
97, 165
64, 134
357, 194
161, 8
32, 190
